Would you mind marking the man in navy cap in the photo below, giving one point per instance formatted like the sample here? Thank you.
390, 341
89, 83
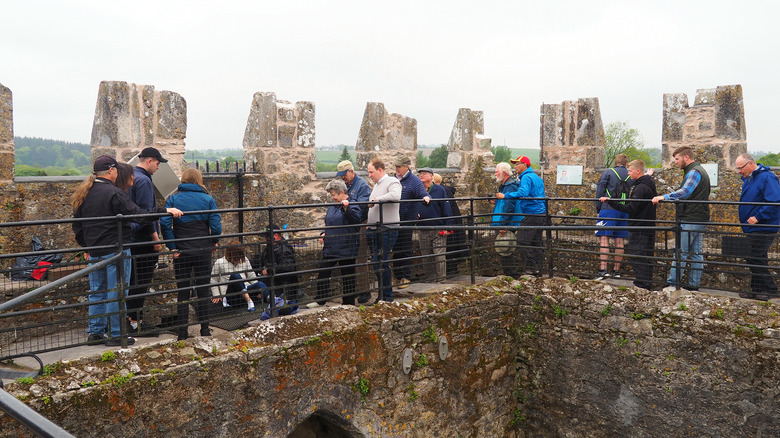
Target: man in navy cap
144, 257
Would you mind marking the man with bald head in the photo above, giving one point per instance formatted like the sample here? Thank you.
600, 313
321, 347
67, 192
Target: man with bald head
759, 222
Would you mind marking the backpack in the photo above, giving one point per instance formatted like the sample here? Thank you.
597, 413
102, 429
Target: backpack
622, 189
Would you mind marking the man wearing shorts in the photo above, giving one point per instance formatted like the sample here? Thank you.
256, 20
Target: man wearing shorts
609, 217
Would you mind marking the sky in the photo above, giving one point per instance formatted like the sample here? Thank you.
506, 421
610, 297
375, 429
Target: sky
422, 59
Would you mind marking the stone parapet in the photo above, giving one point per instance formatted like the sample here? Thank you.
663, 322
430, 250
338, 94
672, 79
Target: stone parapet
714, 127
279, 136
6, 134
467, 140
131, 117
572, 133
385, 135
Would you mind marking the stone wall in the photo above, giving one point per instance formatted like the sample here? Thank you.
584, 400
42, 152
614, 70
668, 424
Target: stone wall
130, 117
572, 133
468, 142
714, 126
279, 136
533, 357
6, 135
385, 135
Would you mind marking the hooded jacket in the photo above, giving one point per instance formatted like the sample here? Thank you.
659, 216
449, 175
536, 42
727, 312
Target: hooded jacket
761, 186
191, 197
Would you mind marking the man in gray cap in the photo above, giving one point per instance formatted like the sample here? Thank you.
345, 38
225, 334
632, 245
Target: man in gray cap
144, 257
411, 188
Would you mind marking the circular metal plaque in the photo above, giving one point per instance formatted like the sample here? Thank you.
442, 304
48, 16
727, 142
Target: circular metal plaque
443, 347
407, 360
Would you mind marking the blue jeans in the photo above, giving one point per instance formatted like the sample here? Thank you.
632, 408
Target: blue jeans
235, 289
103, 284
383, 244
690, 249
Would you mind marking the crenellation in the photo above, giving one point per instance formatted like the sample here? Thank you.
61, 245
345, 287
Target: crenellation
572, 133
385, 135
7, 153
468, 141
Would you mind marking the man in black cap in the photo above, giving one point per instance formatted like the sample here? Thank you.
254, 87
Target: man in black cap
144, 257
98, 197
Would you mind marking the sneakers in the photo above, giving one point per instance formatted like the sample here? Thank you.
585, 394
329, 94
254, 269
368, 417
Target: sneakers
313, 305
251, 309
615, 274
96, 338
602, 274
116, 342
404, 283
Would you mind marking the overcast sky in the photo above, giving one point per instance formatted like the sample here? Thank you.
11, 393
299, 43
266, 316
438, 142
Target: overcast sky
423, 59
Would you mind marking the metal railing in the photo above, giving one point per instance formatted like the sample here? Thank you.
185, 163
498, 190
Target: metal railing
39, 317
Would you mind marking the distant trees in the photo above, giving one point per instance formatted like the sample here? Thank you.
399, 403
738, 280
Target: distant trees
345, 156
437, 159
770, 160
501, 154
623, 139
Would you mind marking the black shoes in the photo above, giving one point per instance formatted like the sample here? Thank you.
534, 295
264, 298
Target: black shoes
116, 342
95, 338
364, 298
205, 332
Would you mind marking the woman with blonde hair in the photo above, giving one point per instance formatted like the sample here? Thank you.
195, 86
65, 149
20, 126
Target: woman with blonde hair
192, 257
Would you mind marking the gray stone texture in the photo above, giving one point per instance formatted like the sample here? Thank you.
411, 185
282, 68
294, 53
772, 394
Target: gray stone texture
6, 134
386, 136
572, 133
131, 117
714, 127
280, 136
467, 140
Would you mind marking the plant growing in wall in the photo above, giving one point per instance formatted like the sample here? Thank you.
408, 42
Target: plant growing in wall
363, 386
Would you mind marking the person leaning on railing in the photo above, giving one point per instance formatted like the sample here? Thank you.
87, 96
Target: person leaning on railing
97, 196
503, 214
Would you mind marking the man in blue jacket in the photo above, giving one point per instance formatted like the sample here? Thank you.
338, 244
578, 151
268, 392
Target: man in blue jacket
411, 188
760, 221
503, 213
534, 212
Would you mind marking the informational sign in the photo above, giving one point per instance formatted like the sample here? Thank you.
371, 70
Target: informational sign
712, 171
569, 175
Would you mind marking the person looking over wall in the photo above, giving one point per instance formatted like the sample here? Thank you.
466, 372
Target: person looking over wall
382, 229
98, 197
695, 187
611, 217
411, 188
192, 257
503, 215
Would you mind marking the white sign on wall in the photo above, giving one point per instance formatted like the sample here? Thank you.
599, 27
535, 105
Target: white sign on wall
569, 175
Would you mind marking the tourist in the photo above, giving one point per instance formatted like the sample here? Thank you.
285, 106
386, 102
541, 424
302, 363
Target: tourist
611, 217
760, 221
358, 191
503, 214
192, 257
641, 214
695, 187
98, 197
381, 236
234, 276
531, 213
456, 241
278, 266
144, 256
434, 213
340, 244
411, 188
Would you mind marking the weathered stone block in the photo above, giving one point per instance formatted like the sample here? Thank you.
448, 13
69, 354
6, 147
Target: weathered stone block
286, 135
371, 133
704, 96
306, 126
6, 114
261, 123
112, 125
674, 108
171, 115
730, 115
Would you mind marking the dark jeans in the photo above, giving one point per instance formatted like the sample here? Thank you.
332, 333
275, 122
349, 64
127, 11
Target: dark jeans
761, 282
457, 251
380, 243
235, 290
641, 246
144, 260
193, 269
347, 278
402, 251
529, 242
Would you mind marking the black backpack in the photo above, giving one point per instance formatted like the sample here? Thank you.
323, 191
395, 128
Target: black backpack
622, 189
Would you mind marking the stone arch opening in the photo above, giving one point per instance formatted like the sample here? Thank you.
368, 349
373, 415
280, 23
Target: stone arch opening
325, 424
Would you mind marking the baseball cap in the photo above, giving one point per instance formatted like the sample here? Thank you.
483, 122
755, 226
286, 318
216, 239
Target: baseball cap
152, 153
522, 159
343, 167
103, 162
